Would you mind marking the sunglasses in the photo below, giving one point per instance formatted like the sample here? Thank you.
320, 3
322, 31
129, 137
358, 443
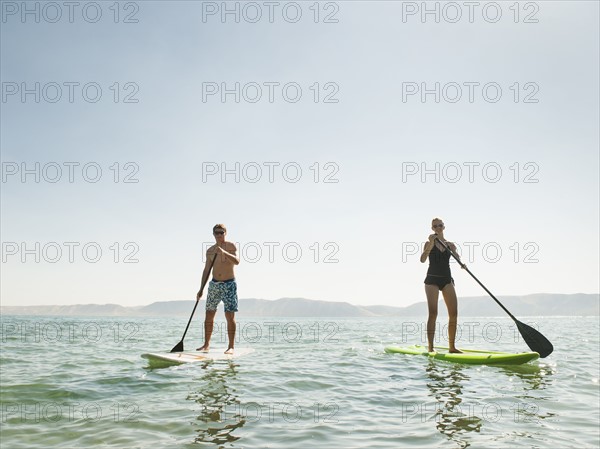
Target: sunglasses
441, 225
219, 232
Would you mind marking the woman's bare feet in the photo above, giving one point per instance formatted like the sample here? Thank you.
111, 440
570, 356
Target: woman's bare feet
229, 351
455, 351
203, 348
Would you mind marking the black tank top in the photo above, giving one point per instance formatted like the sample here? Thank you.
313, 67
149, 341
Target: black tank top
439, 262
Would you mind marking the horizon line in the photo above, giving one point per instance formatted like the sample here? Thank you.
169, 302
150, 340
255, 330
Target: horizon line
287, 297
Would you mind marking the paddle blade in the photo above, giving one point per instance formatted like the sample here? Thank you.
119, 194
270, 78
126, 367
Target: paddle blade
535, 340
178, 347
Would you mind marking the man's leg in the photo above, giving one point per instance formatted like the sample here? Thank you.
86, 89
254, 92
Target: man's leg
230, 316
209, 322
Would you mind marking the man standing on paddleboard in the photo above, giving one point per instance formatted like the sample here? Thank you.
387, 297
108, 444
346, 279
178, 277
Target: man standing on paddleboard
221, 258
437, 250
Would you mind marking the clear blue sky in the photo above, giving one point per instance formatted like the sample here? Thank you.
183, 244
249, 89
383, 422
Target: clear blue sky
370, 129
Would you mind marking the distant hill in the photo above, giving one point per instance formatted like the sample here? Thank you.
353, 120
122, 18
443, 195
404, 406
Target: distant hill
540, 304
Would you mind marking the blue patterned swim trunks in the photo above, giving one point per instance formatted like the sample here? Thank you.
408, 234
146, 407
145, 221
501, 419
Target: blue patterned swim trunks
225, 291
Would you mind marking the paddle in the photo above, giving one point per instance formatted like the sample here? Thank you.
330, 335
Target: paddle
179, 346
534, 339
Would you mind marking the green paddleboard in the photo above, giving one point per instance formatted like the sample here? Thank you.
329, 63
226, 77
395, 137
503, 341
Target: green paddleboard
469, 356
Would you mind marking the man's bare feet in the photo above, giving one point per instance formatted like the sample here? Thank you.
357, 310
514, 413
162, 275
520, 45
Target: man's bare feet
455, 351
430, 350
229, 351
202, 348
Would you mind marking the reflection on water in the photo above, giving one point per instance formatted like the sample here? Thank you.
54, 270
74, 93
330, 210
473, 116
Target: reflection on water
218, 403
534, 377
456, 419
445, 385
535, 380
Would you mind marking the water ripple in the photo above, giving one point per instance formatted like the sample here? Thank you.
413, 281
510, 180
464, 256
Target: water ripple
321, 390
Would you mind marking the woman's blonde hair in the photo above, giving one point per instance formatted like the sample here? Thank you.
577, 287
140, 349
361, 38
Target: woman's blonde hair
436, 219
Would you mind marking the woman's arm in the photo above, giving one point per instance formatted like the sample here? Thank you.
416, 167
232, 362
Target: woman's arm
452, 247
427, 248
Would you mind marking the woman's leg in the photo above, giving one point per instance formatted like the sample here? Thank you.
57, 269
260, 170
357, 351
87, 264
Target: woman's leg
452, 304
432, 292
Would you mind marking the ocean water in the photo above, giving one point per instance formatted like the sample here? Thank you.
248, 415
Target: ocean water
320, 383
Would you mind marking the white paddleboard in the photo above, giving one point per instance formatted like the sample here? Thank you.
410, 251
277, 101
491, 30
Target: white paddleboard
196, 356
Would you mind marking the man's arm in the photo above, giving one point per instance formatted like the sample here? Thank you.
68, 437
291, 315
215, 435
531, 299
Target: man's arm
207, 268
231, 254
206, 272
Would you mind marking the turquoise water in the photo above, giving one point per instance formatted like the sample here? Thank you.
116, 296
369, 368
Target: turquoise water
80, 382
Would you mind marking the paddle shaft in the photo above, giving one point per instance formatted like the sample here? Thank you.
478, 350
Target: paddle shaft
197, 301
463, 266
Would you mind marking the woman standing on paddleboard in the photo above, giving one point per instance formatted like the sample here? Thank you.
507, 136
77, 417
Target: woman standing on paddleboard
439, 279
